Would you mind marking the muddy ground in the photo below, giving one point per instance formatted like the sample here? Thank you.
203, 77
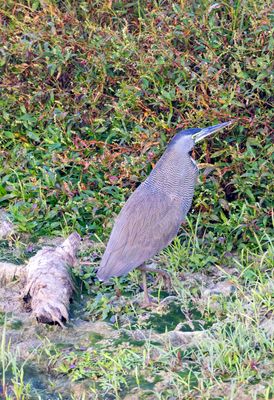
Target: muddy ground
105, 321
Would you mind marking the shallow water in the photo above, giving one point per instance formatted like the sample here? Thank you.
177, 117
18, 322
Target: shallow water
42, 347
174, 316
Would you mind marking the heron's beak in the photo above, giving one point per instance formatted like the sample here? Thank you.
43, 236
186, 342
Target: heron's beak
208, 131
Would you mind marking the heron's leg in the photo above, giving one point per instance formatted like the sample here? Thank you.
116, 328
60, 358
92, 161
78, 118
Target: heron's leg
165, 275
147, 299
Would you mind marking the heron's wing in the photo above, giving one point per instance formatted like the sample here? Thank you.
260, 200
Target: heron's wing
145, 225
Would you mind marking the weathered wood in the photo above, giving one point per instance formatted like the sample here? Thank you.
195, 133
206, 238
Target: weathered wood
49, 283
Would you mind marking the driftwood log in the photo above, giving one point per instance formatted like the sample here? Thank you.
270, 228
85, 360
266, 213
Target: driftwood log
49, 285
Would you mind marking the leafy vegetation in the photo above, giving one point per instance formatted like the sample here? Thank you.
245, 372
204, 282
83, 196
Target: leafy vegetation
12, 374
90, 94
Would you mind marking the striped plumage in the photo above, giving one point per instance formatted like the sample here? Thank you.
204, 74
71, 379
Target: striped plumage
152, 215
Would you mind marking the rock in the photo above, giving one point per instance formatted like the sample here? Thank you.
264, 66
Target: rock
268, 326
226, 288
186, 339
175, 337
6, 226
80, 390
10, 272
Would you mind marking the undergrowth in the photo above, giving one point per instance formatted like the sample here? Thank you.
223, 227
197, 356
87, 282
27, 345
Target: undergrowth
90, 94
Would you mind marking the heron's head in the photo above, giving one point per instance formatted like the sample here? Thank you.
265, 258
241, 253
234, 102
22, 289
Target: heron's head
185, 140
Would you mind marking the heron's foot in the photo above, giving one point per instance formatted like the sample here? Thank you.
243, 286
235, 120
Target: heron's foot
148, 301
166, 278
161, 274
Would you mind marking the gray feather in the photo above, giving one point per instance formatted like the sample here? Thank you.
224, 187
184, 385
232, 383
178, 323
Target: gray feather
151, 216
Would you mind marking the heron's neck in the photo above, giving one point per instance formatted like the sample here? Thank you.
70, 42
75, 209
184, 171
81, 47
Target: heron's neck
173, 173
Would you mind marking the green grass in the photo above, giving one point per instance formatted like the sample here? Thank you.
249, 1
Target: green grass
90, 94
12, 384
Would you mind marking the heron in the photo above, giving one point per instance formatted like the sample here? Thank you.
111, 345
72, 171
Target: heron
154, 212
